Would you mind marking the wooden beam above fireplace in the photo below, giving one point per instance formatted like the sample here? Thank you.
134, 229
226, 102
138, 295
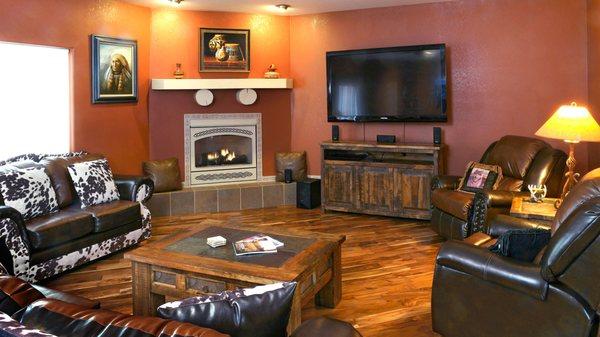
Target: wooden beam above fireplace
228, 83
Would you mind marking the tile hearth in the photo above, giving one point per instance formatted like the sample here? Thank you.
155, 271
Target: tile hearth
222, 198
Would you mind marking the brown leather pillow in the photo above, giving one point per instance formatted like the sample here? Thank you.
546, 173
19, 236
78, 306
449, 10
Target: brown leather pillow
296, 161
164, 174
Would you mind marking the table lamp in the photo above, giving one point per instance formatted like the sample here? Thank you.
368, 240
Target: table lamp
572, 124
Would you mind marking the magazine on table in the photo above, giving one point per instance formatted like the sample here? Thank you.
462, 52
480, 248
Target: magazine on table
257, 244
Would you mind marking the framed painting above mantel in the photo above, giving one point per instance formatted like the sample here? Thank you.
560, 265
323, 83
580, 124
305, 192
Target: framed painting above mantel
224, 50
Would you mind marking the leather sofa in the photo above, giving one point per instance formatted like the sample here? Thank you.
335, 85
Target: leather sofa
32, 308
479, 293
524, 161
47, 245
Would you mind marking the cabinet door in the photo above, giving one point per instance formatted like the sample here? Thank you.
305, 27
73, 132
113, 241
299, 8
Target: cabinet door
338, 186
412, 189
375, 188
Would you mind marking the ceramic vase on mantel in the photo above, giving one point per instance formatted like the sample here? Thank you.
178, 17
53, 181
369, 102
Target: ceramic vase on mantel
178, 73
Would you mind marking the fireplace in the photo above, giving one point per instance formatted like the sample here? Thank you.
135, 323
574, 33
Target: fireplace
222, 148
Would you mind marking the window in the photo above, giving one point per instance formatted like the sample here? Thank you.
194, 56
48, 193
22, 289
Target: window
34, 99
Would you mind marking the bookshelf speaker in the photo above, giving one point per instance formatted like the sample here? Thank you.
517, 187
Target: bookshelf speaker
335, 133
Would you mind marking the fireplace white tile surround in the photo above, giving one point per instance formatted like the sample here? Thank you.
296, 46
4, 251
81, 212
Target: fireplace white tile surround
222, 148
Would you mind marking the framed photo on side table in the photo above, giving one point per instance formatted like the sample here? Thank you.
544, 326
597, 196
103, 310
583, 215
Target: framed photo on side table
114, 70
224, 50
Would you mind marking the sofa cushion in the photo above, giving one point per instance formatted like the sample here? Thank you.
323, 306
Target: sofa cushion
54, 229
57, 169
480, 177
66, 319
262, 311
457, 203
113, 214
510, 184
12, 328
16, 294
515, 154
27, 190
93, 182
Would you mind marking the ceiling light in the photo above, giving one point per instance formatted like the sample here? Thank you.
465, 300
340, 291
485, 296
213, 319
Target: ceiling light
176, 1
283, 7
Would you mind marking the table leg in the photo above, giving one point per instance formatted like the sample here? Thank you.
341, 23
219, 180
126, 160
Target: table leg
295, 313
331, 294
144, 301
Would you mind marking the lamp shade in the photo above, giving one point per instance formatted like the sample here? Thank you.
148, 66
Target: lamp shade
571, 123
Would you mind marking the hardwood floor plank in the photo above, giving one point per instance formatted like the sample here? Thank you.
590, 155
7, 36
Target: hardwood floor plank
387, 267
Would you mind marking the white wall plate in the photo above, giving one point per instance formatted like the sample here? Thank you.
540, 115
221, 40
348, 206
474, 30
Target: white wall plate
246, 96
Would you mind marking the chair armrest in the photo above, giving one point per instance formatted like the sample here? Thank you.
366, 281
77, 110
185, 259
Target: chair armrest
7, 212
325, 326
481, 263
134, 188
504, 223
445, 182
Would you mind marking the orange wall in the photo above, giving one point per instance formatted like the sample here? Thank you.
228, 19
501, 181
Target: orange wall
510, 64
175, 37
593, 21
120, 131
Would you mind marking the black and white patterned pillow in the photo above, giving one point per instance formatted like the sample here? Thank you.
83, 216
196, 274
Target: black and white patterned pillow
28, 190
262, 311
94, 182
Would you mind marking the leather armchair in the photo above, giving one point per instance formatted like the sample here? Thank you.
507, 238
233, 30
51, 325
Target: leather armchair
524, 161
479, 293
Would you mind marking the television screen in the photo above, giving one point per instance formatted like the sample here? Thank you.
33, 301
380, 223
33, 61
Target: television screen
398, 84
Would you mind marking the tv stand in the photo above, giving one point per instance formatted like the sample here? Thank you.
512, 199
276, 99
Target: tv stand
381, 179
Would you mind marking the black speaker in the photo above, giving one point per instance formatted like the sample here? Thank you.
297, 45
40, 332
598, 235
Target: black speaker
386, 139
335, 133
308, 193
437, 135
287, 176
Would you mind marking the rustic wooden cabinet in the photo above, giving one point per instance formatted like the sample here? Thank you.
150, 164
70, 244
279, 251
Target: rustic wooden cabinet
384, 179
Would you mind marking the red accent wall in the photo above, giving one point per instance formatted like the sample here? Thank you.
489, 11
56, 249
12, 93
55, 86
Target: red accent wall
593, 21
511, 63
120, 131
167, 109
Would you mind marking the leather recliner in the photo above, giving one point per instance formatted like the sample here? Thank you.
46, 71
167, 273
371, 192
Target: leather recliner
523, 161
479, 293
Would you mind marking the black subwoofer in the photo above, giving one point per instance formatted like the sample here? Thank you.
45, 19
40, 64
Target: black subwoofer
308, 193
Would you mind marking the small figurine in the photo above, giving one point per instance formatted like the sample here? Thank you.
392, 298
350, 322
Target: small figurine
272, 72
178, 73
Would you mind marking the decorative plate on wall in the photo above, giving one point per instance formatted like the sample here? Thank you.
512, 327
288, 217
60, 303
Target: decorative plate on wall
246, 96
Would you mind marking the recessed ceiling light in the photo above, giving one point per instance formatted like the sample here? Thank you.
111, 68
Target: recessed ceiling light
176, 1
283, 7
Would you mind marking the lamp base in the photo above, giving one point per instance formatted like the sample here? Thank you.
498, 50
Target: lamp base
571, 176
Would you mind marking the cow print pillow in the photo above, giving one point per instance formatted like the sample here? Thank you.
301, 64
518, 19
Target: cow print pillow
28, 190
94, 182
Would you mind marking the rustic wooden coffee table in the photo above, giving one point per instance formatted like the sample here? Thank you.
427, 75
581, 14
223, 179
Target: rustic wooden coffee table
183, 265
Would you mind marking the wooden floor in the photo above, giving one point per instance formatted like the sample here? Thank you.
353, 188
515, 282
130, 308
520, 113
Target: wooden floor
387, 268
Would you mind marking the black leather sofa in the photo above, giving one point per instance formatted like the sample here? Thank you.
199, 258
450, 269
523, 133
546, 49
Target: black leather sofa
479, 293
47, 245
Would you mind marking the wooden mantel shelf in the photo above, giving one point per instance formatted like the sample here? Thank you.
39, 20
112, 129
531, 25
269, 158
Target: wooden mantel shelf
222, 83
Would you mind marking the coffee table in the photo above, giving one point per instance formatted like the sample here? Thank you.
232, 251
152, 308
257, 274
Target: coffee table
183, 265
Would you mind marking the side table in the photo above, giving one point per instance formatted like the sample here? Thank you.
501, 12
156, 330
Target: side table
543, 211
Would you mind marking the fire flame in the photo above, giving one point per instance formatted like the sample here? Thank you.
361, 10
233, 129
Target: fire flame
223, 153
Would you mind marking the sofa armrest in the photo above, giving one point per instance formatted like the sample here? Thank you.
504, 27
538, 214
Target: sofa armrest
134, 188
7, 212
485, 265
504, 223
445, 182
498, 198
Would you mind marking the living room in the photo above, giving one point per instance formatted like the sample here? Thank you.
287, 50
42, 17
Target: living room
429, 203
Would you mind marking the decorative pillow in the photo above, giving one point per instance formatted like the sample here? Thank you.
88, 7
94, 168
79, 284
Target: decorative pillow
11, 328
164, 174
28, 190
295, 161
521, 244
94, 182
480, 177
262, 311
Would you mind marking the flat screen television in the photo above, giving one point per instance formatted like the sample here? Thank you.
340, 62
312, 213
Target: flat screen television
398, 84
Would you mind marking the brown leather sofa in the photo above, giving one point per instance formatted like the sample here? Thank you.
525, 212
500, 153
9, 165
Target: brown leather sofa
479, 293
524, 161
61, 314
47, 245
